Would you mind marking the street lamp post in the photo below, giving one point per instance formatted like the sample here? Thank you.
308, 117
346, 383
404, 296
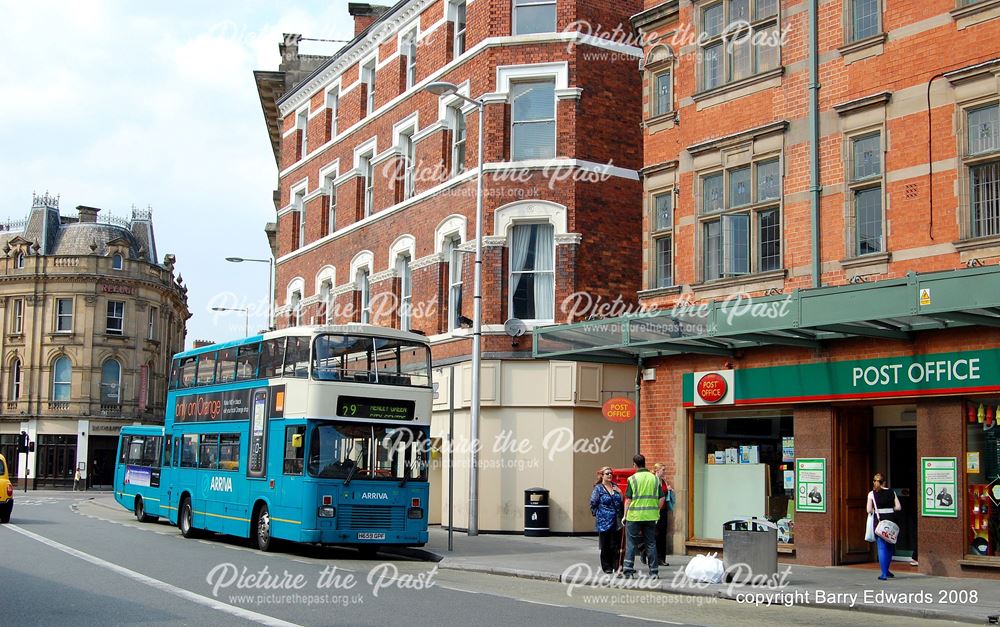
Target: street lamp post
450, 89
270, 292
245, 310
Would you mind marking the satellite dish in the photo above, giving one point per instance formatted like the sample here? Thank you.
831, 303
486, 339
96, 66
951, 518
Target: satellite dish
514, 327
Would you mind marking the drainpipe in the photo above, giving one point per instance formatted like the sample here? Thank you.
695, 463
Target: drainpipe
638, 405
814, 186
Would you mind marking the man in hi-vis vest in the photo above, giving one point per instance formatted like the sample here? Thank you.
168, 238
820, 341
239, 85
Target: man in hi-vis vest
643, 500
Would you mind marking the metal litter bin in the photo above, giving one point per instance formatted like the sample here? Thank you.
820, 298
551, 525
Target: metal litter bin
536, 512
749, 548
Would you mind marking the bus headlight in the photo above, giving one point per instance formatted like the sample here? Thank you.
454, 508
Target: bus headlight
327, 511
415, 513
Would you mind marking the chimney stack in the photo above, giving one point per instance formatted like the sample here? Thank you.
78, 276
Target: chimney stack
87, 214
202, 343
364, 15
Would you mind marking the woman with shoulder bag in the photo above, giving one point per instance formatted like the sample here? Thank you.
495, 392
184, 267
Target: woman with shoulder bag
606, 506
883, 504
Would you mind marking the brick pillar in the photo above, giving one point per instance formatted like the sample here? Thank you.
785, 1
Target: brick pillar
814, 437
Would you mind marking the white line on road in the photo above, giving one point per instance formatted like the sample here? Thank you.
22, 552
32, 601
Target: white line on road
541, 603
156, 583
646, 618
459, 589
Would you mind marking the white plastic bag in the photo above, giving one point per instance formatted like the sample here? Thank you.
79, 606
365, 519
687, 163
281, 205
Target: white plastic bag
705, 568
870, 529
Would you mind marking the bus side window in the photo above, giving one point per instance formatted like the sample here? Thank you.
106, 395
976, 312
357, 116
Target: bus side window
297, 358
175, 374
208, 454
188, 368
189, 451
206, 369
225, 367
294, 450
246, 362
167, 440
177, 451
123, 453
151, 452
272, 358
229, 451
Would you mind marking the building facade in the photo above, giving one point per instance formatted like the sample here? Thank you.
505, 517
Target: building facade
90, 319
376, 219
821, 236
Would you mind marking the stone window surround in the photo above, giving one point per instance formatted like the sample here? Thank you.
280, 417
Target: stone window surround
726, 86
653, 68
762, 143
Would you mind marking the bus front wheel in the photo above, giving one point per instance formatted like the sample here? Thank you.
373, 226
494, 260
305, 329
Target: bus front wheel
262, 526
185, 519
140, 511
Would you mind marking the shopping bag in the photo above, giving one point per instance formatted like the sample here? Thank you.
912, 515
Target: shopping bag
870, 529
888, 531
705, 568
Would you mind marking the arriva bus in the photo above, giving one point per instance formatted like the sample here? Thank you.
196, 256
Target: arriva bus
308, 434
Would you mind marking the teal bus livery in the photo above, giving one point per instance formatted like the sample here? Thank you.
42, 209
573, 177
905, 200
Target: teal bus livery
307, 434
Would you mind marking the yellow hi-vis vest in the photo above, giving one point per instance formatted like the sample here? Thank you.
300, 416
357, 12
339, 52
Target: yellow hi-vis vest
645, 503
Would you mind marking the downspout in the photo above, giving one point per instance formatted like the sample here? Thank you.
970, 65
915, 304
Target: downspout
638, 404
814, 186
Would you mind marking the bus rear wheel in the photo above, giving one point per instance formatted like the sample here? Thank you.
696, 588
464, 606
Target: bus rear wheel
185, 519
262, 528
140, 511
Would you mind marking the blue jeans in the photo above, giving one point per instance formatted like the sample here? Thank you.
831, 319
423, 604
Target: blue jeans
643, 531
885, 551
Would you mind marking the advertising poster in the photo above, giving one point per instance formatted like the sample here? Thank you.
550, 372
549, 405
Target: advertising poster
810, 485
939, 486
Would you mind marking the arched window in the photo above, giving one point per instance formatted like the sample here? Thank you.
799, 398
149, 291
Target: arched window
117, 263
364, 288
111, 376
19, 260
15, 380
296, 309
62, 373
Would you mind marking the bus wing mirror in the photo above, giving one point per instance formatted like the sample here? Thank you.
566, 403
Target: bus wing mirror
296, 440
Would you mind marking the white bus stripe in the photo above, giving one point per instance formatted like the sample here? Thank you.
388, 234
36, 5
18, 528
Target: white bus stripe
163, 586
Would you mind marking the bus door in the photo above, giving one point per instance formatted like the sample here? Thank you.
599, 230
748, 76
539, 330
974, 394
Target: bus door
289, 475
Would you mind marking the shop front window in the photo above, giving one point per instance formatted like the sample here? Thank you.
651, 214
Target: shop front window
982, 466
742, 464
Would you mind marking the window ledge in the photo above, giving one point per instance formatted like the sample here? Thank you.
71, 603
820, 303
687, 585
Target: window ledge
774, 276
660, 122
977, 243
981, 562
660, 291
972, 14
850, 48
866, 260
735, 85
116, 336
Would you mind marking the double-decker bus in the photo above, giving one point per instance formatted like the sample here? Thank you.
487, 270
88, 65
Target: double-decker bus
308, 434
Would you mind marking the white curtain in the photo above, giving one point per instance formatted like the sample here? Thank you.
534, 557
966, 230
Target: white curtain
520, 237
544, 272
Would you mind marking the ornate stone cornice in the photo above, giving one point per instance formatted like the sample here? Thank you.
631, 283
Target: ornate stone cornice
429, 260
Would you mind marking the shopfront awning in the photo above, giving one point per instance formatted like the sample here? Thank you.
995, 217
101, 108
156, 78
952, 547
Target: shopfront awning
890, 309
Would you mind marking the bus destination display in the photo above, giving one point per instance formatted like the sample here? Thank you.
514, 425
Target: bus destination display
374, 409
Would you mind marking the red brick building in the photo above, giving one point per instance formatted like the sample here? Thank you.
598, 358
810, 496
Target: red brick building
376, 213
822, 252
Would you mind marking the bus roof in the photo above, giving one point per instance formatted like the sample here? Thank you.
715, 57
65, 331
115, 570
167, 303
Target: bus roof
312, 330
143, 429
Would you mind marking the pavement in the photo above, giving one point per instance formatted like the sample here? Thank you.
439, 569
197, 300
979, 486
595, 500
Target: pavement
575, 562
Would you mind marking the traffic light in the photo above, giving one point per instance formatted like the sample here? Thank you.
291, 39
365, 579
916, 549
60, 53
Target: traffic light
22, 443
31, 447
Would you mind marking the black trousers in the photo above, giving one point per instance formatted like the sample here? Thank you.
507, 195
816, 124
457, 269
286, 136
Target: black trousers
610, 543
661, 535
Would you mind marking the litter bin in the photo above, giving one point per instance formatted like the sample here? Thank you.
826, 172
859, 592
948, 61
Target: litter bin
536, 512
749, 548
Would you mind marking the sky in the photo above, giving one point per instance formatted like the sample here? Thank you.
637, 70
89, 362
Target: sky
111, 104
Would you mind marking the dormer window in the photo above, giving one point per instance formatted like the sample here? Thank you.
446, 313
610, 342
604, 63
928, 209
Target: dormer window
117, 262
19, 260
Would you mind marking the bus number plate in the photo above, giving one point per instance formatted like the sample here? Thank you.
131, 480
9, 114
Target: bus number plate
370, 536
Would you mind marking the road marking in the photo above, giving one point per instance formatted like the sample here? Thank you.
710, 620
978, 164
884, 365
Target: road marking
653, 620
459, 589
541, 603
163, 586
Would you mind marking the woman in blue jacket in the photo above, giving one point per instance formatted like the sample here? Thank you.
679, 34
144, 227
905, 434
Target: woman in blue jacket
606, 506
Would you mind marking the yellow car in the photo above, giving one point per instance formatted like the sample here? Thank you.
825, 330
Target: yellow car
6, 492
